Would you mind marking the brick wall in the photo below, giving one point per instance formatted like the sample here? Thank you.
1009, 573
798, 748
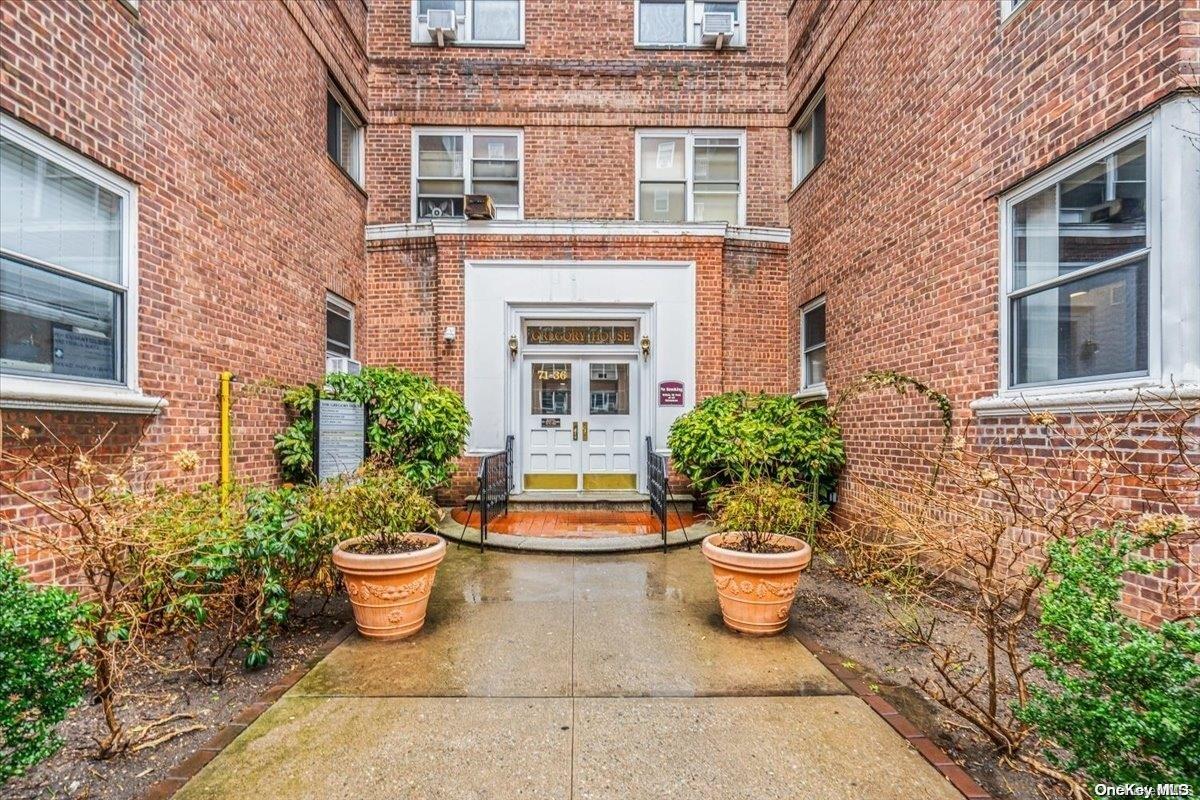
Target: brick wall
579, 88
933, 110
217, 112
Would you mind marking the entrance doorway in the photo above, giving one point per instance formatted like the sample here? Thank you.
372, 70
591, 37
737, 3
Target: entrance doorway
581, 422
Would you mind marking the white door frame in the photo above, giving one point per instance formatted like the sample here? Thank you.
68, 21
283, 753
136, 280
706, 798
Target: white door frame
515, 316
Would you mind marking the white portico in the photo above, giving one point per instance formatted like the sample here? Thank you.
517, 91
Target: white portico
579, 361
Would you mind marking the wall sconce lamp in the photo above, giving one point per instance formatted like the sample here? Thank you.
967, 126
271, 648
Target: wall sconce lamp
645, 347
512, 347
450, 334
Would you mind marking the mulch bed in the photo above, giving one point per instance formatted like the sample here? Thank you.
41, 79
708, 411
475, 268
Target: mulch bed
851, 620
75, 775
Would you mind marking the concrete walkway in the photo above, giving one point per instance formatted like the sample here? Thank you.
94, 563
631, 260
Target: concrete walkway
570, 677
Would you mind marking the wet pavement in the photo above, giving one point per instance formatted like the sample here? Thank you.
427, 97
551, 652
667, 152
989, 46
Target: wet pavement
607, 677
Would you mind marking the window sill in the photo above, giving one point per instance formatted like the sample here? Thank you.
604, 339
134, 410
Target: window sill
1130, 398
691, 48
59, 395
812, 393
457, 45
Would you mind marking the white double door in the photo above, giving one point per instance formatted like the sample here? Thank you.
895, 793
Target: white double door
580, 423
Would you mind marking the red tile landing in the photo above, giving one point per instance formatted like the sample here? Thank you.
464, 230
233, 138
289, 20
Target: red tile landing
575, 524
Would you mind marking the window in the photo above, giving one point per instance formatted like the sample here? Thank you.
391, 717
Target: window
812, 345
808, 138
679, 23
453, 163
1008, 7
67, 263
339, 326
480, 22
690, 176
344, 135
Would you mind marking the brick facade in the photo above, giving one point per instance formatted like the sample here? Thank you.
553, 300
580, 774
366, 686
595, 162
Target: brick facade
244, 222
933, 110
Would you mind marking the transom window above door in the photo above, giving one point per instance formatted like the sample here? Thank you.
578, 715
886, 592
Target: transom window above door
494, 23
691, 176
453, 163
680, 23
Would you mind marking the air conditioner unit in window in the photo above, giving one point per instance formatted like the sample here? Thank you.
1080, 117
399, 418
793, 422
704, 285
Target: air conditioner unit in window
341, 364
717, 28
479, 206
442, 25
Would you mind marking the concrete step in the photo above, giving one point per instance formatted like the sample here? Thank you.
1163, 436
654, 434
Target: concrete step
587, 501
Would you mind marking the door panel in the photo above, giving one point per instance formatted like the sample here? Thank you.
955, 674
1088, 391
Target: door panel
609, 445
551, 429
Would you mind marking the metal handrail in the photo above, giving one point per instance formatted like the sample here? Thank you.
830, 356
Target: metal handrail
656, 485
495, 484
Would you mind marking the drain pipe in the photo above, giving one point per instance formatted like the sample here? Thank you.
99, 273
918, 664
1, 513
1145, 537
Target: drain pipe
226, 436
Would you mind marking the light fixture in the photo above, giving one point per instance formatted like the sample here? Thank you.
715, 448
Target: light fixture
512, 347
450, 334
645, 346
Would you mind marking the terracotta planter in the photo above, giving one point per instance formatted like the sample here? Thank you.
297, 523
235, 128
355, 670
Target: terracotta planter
390, 593
756, 590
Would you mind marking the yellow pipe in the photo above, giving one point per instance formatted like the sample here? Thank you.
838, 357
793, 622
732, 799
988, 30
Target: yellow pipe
226, 436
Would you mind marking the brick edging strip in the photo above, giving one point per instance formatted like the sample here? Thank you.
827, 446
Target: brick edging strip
185, 770
951, 771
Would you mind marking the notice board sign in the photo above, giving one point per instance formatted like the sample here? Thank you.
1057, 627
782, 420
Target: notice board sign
670, 393
339, 437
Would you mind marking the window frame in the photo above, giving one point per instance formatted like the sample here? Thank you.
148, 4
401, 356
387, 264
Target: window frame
690, 18
1149, 129
689, 136
360, 144
805, 120
805, 386
340, 305
468, 135
1010, 7
125, 330
420, 31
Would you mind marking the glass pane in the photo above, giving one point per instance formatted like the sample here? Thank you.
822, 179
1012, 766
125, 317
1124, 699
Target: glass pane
438, 207
662, 22
662, 202
457, 6
440, 156
348, 147
579, 334
719, 8
494, 169
56, 216
814, 367
662, 158
504, 193
814, 326
1091, 327
818, 133
53, 325
714, 207
1096, 213
496, 148
715, 163
338, 332
440, 187
551, 388
608, 388
497, 21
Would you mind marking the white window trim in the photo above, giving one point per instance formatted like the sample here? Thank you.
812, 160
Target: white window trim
690, 18
812, 389
1010, 7
421, 36
805, 118
468, 176
1173, 314
29, 391
690, 135
361, 135
341, 304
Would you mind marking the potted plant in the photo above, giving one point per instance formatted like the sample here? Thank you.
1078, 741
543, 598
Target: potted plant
755, 558
389, 561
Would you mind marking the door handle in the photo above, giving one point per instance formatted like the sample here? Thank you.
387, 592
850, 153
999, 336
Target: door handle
574, 431
585, 431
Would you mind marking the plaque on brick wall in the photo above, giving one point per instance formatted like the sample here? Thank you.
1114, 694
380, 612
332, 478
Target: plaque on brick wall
339, 437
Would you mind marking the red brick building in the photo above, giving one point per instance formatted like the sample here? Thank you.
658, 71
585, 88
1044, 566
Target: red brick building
687, 197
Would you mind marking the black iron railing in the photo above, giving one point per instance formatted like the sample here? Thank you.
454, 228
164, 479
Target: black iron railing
656, 484
495, 483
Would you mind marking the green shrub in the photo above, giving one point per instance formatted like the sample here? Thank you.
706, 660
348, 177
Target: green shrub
40, 679
737, 437
413, 423
763, 506
381, 504
1124, 702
